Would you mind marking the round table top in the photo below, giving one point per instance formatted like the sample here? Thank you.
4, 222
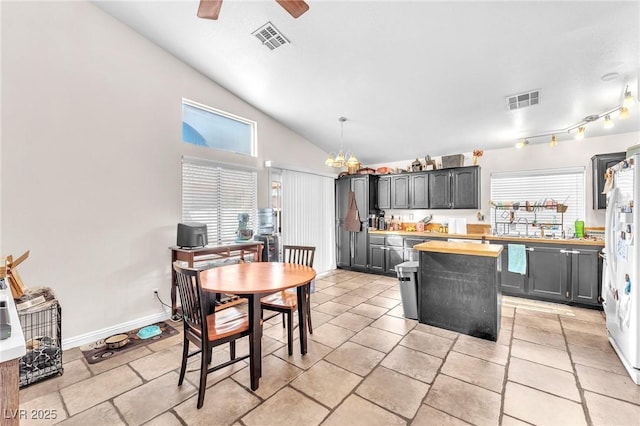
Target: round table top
256, 277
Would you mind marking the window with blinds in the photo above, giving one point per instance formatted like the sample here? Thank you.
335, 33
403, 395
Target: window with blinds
532, 199
215, 194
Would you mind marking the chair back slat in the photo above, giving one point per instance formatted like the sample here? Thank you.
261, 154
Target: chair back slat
193, 311
302, 255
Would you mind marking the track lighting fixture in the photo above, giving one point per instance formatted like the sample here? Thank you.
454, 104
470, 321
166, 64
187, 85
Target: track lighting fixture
628, 98
624, 113
608, 123
622, 108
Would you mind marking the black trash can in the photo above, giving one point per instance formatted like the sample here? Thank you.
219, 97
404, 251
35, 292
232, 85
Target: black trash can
408, 280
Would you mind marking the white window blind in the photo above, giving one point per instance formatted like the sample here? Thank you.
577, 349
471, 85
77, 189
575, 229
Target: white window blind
543, 190
214, 194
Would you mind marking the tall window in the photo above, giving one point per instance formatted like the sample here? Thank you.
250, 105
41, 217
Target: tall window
215, 194
522, 199
206, 126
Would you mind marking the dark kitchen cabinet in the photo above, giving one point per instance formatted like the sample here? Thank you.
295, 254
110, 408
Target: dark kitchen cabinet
384, 192
465, 189
387, 252
419, 191
548, 273
560, 273
394, 252
352, 248
411, 254
377, 252
586, 270
456, 188
599, 165
511, 282
400, 192
440, 189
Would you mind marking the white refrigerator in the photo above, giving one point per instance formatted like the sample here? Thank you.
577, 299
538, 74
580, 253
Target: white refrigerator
620, 286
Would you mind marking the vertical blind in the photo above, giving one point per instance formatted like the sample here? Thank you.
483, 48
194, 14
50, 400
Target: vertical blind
214, 194
542, 189
308, 211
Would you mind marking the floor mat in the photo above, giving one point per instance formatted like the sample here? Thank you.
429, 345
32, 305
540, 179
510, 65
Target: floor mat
98, 351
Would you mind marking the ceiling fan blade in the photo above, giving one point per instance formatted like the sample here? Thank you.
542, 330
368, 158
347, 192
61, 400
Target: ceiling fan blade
294, 7
209, 9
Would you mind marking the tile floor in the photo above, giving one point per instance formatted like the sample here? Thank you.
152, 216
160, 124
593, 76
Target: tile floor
367, 365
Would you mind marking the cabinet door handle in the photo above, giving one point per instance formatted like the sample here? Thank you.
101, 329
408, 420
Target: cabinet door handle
529, 248
569, 251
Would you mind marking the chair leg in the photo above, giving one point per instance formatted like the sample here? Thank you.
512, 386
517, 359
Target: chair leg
203, 375
309, 316
290, 332
183, 364
283, 320
232, 349
308, 296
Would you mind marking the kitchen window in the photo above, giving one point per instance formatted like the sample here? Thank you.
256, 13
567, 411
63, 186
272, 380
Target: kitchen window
529, 200
209, 127
215, 193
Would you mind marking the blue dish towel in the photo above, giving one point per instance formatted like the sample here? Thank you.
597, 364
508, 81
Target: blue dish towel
517, 259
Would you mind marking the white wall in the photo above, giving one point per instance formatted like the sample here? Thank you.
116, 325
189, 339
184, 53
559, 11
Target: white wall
570, 153
91, 148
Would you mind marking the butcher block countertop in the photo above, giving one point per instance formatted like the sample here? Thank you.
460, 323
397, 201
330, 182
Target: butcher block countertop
470, 249
492, 238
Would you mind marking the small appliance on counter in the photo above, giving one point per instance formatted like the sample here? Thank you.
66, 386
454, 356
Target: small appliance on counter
192, 235
266, 234
382, 226
244, 234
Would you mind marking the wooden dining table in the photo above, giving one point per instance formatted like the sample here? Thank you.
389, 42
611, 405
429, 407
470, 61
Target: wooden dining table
254, 280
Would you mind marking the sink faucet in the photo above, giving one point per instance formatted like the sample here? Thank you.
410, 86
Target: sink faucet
526, 223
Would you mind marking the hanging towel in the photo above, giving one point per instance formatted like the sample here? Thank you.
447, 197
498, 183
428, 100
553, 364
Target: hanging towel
352, 221
517, 259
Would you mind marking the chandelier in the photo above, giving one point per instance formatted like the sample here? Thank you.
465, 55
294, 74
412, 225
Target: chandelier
341, 159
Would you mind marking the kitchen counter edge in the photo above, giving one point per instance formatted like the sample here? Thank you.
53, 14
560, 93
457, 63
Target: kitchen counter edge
491, 238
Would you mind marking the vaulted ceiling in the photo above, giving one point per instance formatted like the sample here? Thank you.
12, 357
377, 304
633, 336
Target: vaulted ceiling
412, 77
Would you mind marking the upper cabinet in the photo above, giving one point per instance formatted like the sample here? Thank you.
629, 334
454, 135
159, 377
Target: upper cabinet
400, 192
457, 188
419, 191
599, 164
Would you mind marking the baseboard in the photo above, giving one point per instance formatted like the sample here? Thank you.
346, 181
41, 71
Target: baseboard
83, 339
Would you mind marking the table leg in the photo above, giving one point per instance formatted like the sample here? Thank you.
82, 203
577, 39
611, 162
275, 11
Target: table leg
302, 316
255, 341
174, 284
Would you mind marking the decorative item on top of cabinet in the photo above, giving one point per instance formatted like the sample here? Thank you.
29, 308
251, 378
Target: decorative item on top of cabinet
477, 153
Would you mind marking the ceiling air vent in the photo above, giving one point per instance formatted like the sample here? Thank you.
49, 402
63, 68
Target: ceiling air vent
523, 100
270, 36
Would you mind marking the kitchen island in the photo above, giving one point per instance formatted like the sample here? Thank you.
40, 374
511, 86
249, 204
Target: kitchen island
459, 287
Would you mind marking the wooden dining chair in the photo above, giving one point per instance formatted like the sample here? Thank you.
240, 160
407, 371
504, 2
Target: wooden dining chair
286, 302
206, 330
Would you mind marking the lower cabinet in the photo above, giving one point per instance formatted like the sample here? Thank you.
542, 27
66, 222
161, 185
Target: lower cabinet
556, 273
387, 252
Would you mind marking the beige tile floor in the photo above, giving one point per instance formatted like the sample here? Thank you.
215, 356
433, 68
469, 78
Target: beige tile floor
367, 365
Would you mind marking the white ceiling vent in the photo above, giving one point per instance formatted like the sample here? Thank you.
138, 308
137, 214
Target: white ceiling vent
523, 100
270, 36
